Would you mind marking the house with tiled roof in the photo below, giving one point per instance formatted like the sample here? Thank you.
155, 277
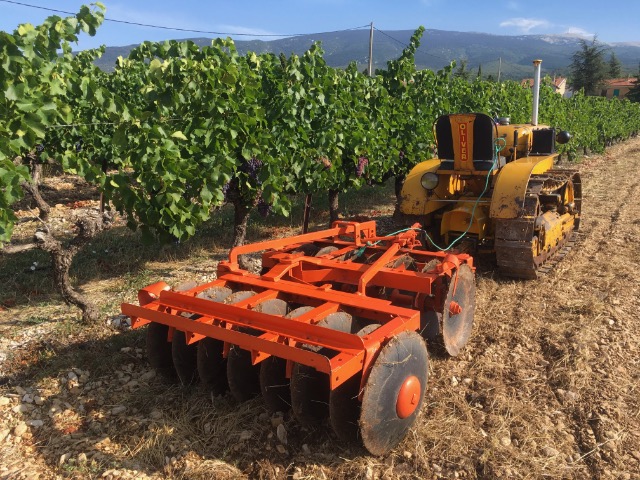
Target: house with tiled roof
618, 87
559, 83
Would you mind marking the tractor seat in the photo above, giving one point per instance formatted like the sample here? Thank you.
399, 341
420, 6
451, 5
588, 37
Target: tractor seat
484, 134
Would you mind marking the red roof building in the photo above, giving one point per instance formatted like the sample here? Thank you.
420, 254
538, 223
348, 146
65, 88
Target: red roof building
618, 87
559, 83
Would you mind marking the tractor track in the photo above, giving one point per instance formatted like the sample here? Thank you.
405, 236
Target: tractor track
575, 372
553, 362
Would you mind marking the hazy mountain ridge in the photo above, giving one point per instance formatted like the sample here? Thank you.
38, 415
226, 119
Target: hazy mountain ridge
437, 48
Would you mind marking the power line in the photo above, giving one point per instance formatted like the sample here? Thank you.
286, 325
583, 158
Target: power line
406, 45
392, 38
163, 27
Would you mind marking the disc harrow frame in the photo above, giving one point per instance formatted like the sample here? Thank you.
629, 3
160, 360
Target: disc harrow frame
385, 284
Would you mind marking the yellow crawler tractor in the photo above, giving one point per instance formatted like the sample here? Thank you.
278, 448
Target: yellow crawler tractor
494, 188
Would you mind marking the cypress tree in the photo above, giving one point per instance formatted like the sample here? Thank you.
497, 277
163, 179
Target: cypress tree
588, 67
615, 67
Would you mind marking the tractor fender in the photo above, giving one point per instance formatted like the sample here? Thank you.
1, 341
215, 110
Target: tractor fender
510, 188
415, 200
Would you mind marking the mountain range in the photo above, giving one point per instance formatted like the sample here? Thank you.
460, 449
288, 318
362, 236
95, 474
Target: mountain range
513, 55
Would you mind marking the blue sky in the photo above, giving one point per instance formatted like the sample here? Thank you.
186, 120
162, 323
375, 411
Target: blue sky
616, 22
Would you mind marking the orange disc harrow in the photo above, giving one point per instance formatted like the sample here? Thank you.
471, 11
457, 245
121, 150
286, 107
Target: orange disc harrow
333, 316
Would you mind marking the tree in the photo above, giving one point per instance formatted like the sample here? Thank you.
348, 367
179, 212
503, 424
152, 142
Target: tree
479, 74
634, 93
461, 71
615, 67
43, 84
588, 67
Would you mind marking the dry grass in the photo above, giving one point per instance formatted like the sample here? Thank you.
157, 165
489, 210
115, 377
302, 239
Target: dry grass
547, 387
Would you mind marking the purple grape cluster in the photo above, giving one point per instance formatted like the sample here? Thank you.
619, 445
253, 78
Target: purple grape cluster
40, 148
362, 163
264, 208
225, 191
401, 154
79, 146
251, 167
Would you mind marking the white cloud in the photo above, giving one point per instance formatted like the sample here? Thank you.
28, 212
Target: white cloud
525, 25
578, 32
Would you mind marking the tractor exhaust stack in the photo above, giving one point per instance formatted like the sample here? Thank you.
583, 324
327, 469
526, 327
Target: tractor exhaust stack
536, 92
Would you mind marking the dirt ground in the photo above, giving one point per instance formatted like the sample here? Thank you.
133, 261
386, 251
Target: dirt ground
547, 387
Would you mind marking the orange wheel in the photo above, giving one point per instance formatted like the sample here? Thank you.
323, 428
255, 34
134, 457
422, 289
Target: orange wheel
394, 392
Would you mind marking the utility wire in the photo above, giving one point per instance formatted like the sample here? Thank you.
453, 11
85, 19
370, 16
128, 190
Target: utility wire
406, 45
184, 29
392, 38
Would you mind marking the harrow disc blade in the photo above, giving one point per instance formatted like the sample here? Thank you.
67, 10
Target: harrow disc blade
431, 320
159, 350
394, 392
239, 296
212, 366
310, 388
274, 384
327, 251
274, 306
243, 377
344, 406
185, 358
215, 294
457, 323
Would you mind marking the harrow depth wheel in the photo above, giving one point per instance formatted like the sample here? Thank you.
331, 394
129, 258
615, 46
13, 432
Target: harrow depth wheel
450, 328
394, 392
459, 306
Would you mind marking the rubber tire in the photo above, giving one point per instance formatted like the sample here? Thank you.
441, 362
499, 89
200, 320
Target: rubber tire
381, 428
